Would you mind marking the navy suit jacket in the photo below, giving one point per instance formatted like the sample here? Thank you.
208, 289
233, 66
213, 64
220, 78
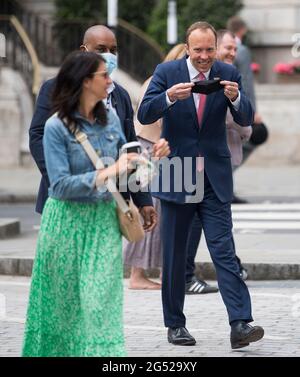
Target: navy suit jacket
181, 128
120, 101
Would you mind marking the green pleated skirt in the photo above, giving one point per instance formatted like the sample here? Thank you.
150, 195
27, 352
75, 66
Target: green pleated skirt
76, 297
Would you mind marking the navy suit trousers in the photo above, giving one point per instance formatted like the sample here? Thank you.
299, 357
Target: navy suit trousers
192, 247
215, 217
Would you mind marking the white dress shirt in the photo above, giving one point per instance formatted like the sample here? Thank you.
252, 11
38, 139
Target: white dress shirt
107, 101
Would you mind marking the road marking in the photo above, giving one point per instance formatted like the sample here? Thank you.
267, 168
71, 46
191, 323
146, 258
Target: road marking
266, 207
267, 225
251, 218
266, 216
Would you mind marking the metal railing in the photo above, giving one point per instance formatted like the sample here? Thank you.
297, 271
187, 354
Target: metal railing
138, 53
39, 30
20, 53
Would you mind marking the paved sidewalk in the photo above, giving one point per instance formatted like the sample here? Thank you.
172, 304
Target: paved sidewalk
276, 307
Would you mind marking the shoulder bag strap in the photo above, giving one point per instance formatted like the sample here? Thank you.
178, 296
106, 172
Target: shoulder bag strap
82, 138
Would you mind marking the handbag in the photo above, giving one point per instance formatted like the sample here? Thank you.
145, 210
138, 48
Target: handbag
129, 218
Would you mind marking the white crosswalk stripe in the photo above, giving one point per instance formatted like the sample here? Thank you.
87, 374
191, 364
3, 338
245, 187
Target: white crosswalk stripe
266, 217
290, 207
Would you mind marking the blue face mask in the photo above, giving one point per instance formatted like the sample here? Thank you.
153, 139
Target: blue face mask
111, 61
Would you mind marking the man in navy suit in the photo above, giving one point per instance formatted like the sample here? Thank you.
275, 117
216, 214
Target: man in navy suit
99, 39
194, 126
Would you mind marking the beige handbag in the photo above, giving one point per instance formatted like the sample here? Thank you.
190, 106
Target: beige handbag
129, 218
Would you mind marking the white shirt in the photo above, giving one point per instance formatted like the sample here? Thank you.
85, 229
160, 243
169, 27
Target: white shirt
194, 76
107, 100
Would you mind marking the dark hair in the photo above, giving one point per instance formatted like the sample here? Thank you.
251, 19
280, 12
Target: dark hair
68, 87
201, 25
235, 24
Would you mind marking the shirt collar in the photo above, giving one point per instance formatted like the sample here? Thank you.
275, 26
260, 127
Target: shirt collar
193, 72
111, 88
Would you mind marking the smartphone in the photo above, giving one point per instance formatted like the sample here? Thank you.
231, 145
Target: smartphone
132, 147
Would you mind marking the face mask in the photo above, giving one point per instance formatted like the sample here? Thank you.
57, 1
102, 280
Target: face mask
207, 86
111, 61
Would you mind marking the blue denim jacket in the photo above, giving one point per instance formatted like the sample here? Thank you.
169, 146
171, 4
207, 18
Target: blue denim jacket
71, 173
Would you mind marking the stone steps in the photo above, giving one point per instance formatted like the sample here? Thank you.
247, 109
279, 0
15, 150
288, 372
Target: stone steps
206, 270
9, 227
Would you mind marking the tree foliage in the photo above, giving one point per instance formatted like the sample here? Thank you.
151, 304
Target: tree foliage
151, 15
78, 9
72, 18
136, 12
215, 12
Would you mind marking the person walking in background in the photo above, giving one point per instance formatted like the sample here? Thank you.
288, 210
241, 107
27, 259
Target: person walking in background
195, 126
76, 295
146, 254
243, 62
99, 39
236, 135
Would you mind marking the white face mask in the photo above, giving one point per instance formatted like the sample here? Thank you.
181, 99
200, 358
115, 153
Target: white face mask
111, 61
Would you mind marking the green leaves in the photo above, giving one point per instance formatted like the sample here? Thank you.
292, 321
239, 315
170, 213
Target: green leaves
215, 12
76, 9
151, 15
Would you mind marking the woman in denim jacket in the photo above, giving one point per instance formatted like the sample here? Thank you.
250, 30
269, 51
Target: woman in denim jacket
76, 297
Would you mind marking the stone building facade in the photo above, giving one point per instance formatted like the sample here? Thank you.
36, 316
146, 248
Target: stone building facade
274, 34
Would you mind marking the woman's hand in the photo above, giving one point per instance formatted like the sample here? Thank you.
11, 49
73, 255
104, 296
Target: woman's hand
126, 163
161, 148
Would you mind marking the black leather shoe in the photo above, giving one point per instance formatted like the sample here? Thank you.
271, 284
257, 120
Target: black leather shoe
197, 286
242, 334
180, 337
